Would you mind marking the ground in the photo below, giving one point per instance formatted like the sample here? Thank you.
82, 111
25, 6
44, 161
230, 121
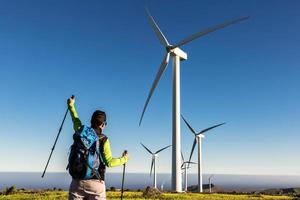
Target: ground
62, 195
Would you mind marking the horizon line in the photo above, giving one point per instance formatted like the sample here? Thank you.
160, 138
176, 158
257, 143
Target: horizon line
237, 174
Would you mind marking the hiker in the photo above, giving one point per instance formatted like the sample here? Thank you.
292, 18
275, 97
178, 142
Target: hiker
94, 187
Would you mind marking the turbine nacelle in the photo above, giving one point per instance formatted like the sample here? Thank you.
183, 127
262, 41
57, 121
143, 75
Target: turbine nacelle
186, 165
200, 136
154, 156
178, 52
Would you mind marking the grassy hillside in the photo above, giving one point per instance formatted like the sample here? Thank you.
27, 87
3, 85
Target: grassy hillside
290, 191
62, 195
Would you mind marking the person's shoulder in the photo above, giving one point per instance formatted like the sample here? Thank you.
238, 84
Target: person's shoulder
103, 138
82, 128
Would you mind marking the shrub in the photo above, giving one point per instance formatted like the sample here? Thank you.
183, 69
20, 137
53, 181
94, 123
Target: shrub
151, 193
10, 190
112, 189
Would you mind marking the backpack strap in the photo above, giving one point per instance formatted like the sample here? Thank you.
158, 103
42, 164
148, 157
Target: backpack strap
102, 168
94, 172
102, 139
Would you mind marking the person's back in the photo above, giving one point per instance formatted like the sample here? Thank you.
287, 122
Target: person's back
94, 188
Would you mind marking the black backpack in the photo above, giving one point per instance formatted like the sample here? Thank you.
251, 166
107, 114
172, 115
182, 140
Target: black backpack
85, 157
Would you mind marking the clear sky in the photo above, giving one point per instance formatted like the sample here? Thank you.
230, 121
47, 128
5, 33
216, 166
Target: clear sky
106, 53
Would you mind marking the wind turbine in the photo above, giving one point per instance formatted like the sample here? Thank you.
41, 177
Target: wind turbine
178, 55
153, 163
209, 182
184, 167
198, 140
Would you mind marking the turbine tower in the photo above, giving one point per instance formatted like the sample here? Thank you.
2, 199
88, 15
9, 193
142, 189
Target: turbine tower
178, 55
198, 140
185, 167
153, 163
209, 182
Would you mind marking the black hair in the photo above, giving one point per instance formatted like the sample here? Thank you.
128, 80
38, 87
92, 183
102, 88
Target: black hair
98, 118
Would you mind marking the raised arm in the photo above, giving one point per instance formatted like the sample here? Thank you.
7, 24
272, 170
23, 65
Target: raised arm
109, 161
76, 121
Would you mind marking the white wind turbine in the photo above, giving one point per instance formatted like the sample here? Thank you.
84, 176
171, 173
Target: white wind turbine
153, 163
198, 140
185, 166
209, 182
178, 55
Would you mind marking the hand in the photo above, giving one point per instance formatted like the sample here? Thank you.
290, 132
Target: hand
71, 100
125, 154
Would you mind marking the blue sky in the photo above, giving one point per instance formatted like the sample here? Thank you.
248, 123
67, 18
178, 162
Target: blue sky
106, 53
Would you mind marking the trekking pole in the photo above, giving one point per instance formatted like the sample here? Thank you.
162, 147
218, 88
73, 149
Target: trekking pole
122, 188
62, 123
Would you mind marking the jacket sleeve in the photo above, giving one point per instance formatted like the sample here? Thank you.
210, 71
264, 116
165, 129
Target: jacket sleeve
76, 121
108, 160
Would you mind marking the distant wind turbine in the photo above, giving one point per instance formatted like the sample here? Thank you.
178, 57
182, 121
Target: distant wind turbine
209, 182
197, 140
178, 55
184, 167
153, 163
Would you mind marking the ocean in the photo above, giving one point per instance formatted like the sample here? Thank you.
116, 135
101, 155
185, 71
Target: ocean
33, 180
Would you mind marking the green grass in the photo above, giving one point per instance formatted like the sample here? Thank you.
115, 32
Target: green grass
51, 195
62, 195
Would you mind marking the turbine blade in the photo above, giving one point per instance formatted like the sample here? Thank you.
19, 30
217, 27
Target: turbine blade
162, 149
163, 40
182, 157
207, 129
152, 163
187, 162
209, 30
192, 151
161, 70
188, 125
191, 162
182, 165
147, 149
